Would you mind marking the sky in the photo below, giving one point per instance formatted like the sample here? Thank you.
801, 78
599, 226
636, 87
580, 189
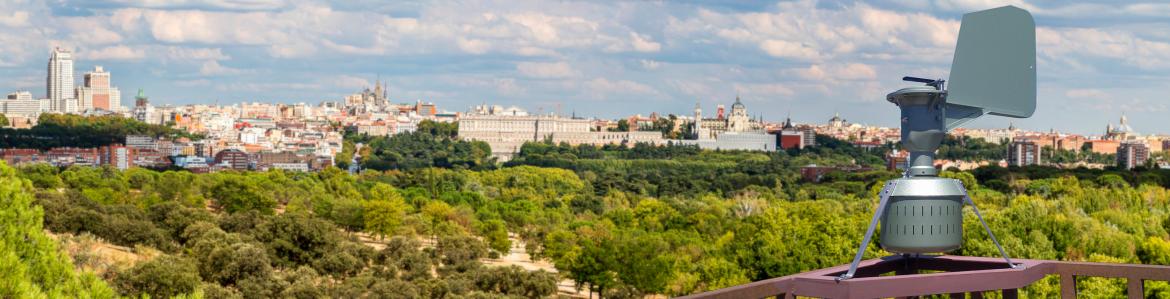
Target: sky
1097, 60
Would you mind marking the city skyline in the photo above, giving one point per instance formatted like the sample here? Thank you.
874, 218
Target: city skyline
796, 57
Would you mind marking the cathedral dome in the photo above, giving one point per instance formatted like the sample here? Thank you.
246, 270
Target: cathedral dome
738, 104
1124, 126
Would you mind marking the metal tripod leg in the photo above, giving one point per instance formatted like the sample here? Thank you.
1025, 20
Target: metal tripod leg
885, 197
967, 200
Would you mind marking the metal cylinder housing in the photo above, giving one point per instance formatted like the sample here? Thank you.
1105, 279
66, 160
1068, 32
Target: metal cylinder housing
924, 215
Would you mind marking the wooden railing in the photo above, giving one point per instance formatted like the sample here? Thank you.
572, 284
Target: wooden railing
959, 276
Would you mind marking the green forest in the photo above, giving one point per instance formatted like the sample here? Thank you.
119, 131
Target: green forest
617, 222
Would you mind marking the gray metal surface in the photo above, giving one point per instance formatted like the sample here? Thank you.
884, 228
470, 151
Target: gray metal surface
923, 128
924, 215
885, 197
994, 67
967, 199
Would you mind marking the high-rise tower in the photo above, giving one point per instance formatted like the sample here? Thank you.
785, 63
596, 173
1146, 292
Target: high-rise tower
96, 92
59, 85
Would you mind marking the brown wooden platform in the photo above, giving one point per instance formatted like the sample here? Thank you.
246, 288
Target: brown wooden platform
931, 275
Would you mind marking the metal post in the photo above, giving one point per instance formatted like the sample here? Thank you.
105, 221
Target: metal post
967, 199
885, 197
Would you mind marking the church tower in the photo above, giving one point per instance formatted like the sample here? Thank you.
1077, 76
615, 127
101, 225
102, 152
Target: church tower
379, 96
699, 132
739, 120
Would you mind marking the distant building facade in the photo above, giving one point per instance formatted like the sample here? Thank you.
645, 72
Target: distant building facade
1132, 154
97, 93
118, 156
232, 158
59, 83
22, 156
21, 103
793, 137
897, 160
1023, 153
143, 111
1103, 146
736, 141
141, 142
507, 131
68, 156
737, 121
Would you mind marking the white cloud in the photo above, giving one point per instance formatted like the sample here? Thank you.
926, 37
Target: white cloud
349, 82
266, 87
182, 53
849, 71
294, 49
508, 86
535, 51
644, 44
1085, 93
473, 46
113, 53
649, 64
16, 19
97, 36
787, 49
212, 27
213, 68
801, 31
208, 4
549, 30
761, 91
546, 70
1081, 44
1142, 105
691, 88
603, 86
192, 83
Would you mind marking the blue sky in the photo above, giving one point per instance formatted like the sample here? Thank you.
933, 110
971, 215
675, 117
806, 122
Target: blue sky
1097, 59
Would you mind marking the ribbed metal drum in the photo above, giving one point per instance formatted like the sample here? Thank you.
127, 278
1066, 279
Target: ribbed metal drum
924, 215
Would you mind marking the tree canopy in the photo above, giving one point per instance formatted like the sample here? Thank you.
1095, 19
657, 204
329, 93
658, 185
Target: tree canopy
69, 130
622, 222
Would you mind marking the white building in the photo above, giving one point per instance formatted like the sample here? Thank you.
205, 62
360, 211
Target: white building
59, 85
46, 105
253, 135
499, 110
21, 103
406, 124
737, 121
506, 133
22, 95
748, 141
141, 142
300, 167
